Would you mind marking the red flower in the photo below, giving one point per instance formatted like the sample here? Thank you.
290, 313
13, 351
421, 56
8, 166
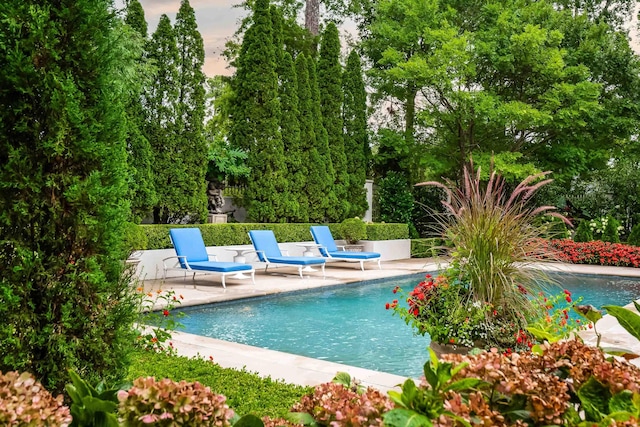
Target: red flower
395, 289
568, 299
387, 306
165, 313
452, 341
416, 311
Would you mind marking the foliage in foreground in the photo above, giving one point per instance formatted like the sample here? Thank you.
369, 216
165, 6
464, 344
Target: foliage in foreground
65, 302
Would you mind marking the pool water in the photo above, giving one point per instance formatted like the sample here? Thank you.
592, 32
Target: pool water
350, 325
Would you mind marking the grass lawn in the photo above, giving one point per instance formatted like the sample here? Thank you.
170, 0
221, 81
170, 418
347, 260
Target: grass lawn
246, 392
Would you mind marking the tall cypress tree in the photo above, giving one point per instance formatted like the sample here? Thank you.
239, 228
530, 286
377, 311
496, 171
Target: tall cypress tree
161, 130
256, 120
312, 190
331, 99
356, 139
142, 193
322, 167
297, 206
65, 303
190, 112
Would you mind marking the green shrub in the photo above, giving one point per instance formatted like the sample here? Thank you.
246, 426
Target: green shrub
395, 200
25, 402
246, 392
353, 229
634, 236
583, 232
611, 232
170, 403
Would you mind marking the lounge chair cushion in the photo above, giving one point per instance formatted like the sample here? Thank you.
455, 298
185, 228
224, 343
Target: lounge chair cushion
296, 260
354, 255
220, 267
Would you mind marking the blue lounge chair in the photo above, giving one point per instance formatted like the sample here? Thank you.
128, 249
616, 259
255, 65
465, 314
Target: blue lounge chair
192, 256
328, 248
268, 251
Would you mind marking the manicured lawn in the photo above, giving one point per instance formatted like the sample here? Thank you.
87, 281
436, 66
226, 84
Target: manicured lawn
246, 392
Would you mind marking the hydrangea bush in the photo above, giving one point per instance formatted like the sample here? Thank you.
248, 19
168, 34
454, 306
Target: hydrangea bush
25, 402
170, 403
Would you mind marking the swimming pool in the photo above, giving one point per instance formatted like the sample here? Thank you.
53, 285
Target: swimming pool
349, 324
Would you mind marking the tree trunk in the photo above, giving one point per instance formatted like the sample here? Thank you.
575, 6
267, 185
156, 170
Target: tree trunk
312, 16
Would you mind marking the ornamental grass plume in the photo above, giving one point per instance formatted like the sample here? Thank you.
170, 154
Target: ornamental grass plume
495, 237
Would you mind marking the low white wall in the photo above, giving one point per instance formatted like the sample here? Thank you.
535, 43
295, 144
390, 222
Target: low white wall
151, 267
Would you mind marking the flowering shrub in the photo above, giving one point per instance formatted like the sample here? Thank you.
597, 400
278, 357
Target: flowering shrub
606, 228
155, 327
170, 403
568, 384
443, 308
25, 402
596, 252
334, 403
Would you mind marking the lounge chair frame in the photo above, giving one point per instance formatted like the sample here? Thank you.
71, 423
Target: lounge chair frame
334, 252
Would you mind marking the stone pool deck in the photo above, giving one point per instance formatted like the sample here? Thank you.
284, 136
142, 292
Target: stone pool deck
307, 371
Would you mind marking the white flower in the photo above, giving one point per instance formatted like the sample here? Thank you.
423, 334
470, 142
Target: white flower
477, 304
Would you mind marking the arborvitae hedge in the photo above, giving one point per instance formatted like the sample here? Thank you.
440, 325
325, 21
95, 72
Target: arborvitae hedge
356, 140
190, 119
323, 203
64, 301
142, 192
256, 120
331, 99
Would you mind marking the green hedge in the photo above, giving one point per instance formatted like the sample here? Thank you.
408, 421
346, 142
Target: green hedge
157, 235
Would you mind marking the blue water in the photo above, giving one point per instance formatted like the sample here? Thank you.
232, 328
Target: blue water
349, 324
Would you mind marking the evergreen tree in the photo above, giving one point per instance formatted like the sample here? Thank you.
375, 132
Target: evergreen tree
65, 301
320, 168
142, 192
297, 205
190, 108
356, 140
135, 18
308, 148
256, 120
331, 99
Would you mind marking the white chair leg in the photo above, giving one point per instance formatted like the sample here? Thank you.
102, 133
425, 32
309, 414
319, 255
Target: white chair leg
300, 272
253, 277
323, 275
224, 286
362, 265
379, 266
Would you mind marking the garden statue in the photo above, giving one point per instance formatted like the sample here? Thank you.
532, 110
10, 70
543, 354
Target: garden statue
216, 201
